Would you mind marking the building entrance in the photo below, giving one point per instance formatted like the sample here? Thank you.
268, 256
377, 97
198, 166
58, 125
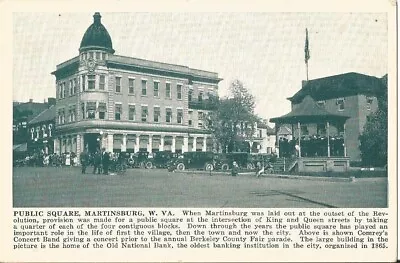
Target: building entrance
92, 142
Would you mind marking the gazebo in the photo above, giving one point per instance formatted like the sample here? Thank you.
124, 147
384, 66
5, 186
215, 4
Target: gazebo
319, 137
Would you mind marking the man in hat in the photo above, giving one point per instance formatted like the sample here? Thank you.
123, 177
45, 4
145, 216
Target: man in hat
105, 161
84, 158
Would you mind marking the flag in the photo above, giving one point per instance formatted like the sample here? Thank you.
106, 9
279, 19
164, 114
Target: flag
306, 49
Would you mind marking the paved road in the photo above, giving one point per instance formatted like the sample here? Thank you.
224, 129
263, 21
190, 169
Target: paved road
67, 187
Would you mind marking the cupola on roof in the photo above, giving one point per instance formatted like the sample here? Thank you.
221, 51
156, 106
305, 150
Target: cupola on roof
96, 37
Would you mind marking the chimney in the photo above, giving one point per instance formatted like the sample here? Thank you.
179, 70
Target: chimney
51, 102
30, 100
303, 83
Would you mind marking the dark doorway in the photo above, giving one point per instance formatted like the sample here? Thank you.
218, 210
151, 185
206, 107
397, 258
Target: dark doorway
92, 142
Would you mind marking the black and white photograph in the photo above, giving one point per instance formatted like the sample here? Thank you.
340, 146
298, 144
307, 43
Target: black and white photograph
232, 127
200, 110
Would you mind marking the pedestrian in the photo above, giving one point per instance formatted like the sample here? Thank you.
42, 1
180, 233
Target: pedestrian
235, 167
84, 160
105, 161
97, 162
297, 149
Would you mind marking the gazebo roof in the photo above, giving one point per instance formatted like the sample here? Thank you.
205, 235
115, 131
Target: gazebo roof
308, 112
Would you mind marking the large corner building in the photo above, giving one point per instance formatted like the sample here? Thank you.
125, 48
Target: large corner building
129, 104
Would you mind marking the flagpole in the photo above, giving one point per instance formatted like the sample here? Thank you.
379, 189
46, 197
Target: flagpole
306, 53
307, 69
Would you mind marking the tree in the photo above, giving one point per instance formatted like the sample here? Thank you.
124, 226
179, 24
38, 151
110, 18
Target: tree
374, 139
232, 122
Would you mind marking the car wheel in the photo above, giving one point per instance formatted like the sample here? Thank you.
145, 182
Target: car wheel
250, 166
269, 171
149, 165
225, 167
180, 167
209, 167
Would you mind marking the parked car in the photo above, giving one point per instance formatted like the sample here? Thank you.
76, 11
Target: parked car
193, 160
224, 161
160, 159
139, 159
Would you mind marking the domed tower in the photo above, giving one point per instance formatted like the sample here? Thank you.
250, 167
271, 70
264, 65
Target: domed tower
96, 43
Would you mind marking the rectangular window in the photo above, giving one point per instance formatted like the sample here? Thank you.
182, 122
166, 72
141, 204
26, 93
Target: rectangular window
117, 84
91, 110
168, 90
168, 115
340, 103
63, 116
200, 96
200, 124
179, 92
179, 116
102, 110
97, 55
144, 87
321, 103
131, 86
145, 112
190, 95
118, 111
369, 102
71, 88
60, 91
190, 122
157, 114
102, 84
260, 133
156, 89
64, 90
75, 84
201, 115
83, 82
132, 112
91, 82
72, 113
83, 111
91, 55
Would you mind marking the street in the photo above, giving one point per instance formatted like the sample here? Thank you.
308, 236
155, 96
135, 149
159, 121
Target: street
67, 187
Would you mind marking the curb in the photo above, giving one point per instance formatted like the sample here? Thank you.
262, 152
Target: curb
280, 176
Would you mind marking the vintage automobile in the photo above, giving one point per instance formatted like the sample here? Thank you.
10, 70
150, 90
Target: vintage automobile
243, 159
138, 159
193, 160
160, 159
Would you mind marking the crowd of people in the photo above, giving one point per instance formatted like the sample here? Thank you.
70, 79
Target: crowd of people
103, 162
42, 159
312, 146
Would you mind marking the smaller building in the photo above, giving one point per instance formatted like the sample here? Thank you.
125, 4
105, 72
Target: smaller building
23, 113
41, 131
266, 139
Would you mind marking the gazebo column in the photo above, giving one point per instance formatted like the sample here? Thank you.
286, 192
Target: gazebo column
327, 133
299, 129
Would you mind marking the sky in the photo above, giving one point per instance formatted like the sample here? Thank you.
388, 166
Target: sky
263, 50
